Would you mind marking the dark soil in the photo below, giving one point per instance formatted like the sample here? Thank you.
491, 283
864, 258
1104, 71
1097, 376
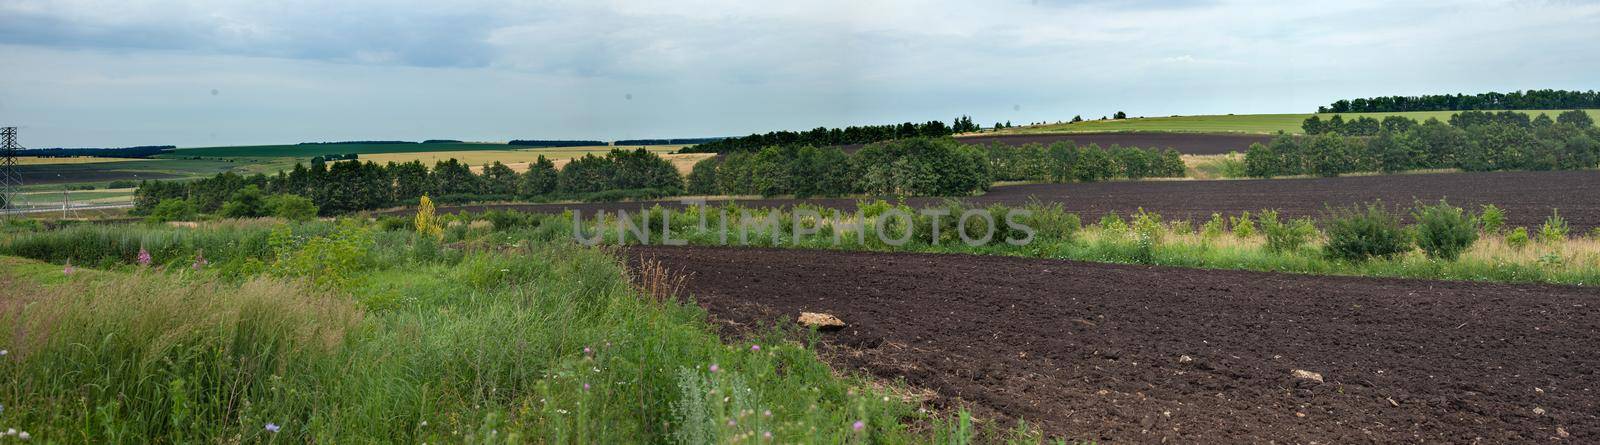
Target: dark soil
1527, 197
1096, 351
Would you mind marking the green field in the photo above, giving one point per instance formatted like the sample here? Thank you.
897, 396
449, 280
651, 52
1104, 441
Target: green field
308, 151
1230, 123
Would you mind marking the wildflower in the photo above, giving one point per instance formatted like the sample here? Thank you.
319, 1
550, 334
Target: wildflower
11, 431
586, 387
68, 270
4, 352
767, 435
272, 427
732, 423
144, 256
859, 425
767, 413
755, 348
23, 435
714, 367
587, 351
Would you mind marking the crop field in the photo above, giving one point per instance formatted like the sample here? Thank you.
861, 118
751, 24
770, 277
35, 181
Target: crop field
312, 150
1141, 354
508, 156
1189, 144
122, 169
1241, 123
36, 160
1527, 197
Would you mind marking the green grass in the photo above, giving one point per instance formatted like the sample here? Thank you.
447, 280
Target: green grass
341, 333
1242, 123
309, 151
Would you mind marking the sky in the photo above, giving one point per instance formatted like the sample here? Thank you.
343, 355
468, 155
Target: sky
91, 73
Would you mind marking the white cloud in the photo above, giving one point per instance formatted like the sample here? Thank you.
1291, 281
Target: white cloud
304, 70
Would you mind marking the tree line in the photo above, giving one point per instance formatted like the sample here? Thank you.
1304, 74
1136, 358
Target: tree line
143, 151
348, 186
554, 143
1471, 141
1515, 100
677, 141
1064, 161
826, 137
918, 166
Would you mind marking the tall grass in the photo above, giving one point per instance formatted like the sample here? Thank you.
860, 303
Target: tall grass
493, 338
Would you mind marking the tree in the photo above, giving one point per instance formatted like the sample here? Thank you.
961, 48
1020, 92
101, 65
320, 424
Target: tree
1261, 162
1313, 125
703, 177
1077, 119
1576, 118
1119, 115
248, 202
291, 207
498, 179
173, 209
1329, 155
410, 180
539, 180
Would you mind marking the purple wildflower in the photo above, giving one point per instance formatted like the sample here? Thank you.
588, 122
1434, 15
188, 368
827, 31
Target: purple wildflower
714, 367
755, 348
272, 427
586, 387
858, 425
144, 256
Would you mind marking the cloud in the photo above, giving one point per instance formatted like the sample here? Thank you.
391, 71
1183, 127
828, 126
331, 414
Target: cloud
505, 68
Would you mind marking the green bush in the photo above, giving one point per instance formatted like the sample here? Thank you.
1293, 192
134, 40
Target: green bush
1359, 233
1052, 222
1147, 235
1443, 231
291, 207
248, 202
1214, 227
1285, 236
172, 209
1243, 227
1518, 238
1491, 218
1554, 230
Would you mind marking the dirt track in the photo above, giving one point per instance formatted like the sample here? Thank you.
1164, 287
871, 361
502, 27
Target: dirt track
1094, 351
1527, 197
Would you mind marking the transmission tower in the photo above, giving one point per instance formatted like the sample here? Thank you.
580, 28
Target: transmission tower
10, 180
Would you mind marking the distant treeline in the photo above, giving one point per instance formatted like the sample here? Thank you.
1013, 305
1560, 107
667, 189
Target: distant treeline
441, 141
827, 137
348, 186
1471, 141
356, 142
681, 141
142, 151
1515, 100
554, 143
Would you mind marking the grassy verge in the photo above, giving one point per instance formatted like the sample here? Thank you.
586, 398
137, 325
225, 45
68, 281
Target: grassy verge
259, 331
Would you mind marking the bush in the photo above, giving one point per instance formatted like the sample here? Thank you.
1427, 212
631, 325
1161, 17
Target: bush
1491, 218
1147, 233
291, 207
1359, 233
1443, 231
1052, 222
172, 209
1285, 236
1518, 238
1554, 230
248, 202
1214, 227
1243, 227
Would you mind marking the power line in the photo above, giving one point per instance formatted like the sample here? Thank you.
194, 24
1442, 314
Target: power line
10, 178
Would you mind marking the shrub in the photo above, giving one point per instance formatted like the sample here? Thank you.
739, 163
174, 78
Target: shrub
1554, 230
1052, 222
172, 209
1491, 218
1518, 238
1214, 227
291, 207
1286, 236
1359, 233
1243, 227
1147, 232
1443, 231
1111, 222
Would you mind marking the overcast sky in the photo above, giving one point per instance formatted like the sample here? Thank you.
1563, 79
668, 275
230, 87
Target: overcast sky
196, 73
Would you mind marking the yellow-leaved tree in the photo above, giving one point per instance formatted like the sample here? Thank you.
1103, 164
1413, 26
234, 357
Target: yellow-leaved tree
427, 224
